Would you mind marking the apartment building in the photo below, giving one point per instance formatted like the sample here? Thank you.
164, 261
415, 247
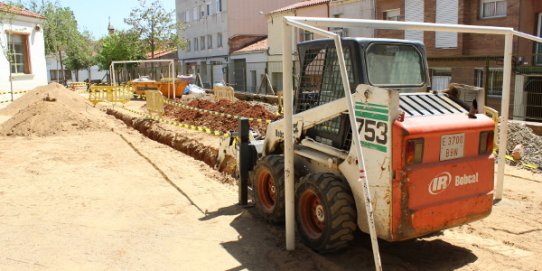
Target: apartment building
353, 9
473, 58
216, 28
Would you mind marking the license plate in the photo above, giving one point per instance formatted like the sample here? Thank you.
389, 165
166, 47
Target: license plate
452, 146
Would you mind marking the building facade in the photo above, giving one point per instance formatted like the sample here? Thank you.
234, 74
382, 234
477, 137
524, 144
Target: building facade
476, 59
21, 35
216, 28
312, 8
353, 9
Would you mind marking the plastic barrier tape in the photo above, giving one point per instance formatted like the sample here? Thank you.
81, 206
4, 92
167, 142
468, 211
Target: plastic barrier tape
214, 112
529, 165
181, 125
15, 92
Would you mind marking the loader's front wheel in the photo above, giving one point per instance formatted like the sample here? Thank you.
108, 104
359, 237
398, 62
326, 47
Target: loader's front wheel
325, 212
268, 184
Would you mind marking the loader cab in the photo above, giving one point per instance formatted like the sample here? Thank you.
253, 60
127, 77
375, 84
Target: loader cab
386, 63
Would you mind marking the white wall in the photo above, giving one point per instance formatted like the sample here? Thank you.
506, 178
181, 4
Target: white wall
96, 74
354, 9
38, 77
255, 61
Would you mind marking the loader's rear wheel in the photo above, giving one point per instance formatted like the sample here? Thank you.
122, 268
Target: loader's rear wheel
325, 212
268, 183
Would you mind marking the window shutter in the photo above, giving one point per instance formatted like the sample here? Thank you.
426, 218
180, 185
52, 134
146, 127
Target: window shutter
414, 12
447, 13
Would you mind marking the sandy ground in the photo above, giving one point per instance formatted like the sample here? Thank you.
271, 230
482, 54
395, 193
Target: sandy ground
115, 200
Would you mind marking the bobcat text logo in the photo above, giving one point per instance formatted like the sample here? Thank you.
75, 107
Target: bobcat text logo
443, 180
440, 183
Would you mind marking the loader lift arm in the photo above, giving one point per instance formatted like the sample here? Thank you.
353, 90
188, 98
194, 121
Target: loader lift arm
304, 121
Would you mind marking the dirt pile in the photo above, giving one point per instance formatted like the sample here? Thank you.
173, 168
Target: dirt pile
49, 110
220, 123
519, 133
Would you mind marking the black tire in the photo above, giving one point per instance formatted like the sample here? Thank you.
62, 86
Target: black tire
325, 212
268, 185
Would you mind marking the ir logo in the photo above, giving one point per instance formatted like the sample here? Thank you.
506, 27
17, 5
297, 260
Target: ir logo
440, 183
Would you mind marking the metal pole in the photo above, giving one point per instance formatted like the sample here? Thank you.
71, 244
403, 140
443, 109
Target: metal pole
503, 137
288, 135
174, 76
364, 180
244, 161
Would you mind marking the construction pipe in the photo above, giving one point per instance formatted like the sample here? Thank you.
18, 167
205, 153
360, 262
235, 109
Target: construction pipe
363, 177
287, 83
503, 137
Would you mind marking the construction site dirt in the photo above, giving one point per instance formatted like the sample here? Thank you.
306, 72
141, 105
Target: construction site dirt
115, 195
217, 122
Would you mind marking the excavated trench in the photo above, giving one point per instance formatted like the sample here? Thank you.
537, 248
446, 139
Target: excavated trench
152, 129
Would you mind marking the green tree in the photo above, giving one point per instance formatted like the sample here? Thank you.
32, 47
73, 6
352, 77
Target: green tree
60, 29
123, 45
79, 56
155, 26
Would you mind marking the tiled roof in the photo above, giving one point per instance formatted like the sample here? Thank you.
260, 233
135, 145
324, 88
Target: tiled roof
19, 11
254, 47
303, 4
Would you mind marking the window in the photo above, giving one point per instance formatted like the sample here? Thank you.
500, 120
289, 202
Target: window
202, 43
18, 48
492, 8
187, 16
208, 9
56, 75
306, 35
218, 6
196, 47
392, 15
195, 14
441, 78
253, 81
209, 42
494, 81
188, 46
447, 13
479, 78
201, 12
219, 40
414, 12
340, 30
276, 80
394, 65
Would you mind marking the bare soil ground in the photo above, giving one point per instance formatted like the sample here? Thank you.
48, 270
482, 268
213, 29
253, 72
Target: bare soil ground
112, 199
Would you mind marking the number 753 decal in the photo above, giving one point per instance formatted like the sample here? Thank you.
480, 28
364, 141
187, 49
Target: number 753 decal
373, 131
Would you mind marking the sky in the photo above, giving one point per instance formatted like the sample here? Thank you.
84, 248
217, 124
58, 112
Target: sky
93, 15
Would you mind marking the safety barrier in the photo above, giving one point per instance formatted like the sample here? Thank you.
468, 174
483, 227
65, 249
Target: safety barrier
222, 92
155, 102
494, 114
78, 87
195, 128
215, 112
109, 94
